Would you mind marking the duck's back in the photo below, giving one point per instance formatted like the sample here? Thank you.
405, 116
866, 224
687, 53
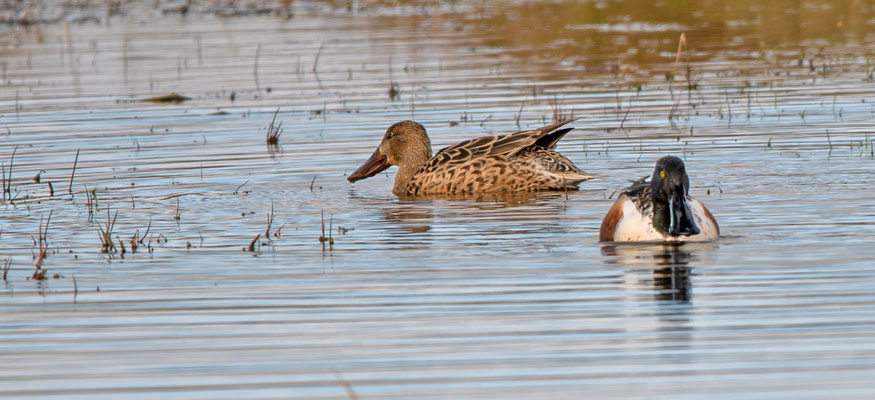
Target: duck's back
521, 161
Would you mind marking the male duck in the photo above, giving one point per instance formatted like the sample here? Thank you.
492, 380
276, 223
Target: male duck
516, 162
660, 210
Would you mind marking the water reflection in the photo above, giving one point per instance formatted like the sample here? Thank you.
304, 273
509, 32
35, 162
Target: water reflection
643, 32
668, 266
416, 214
273, 150
672, 284
409, 217
672, 281
491, 200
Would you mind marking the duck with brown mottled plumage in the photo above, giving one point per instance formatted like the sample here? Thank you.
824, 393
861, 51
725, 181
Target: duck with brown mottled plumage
517, 162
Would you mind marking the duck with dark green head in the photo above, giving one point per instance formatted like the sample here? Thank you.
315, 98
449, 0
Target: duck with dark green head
660, 210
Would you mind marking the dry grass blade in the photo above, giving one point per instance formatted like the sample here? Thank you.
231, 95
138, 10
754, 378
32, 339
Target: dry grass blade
93, 206
558, 113
7, 181
316, 60
140, 240
274, 131
330, 229
75, 161
329, 239
44, 232
614, 192
829, 142
176, 217
518, 115
346, 386
6, 264
394, 91
253, 242
276, 233
322, 238
39, 273
237, 191
269, 221
105, 233
255, 67
134, 243
682, 44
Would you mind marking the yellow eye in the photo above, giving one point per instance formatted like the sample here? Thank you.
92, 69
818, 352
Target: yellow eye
662, 174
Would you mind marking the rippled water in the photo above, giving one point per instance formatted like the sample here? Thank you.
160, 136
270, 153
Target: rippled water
770, 106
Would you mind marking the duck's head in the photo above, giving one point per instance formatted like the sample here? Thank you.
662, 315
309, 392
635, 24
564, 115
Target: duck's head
669, 189
405, 144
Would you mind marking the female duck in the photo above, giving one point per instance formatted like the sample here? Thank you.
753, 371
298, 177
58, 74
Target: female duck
517, 162
660, 210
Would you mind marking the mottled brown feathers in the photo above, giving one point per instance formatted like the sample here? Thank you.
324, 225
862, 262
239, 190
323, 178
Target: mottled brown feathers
521, 161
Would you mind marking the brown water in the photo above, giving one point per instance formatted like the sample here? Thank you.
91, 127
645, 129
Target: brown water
452, 298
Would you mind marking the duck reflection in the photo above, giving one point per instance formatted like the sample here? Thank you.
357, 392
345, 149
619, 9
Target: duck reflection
409, 217
416, 214
425, 221
672, 284
491, 200
667, 264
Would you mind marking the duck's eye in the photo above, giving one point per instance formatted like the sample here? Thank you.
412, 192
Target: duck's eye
662, 174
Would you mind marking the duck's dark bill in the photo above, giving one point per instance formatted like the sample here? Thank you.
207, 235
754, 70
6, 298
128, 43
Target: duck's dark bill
376, 163
682, 222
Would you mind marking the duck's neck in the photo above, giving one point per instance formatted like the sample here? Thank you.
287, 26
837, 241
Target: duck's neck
408, 169
661, 217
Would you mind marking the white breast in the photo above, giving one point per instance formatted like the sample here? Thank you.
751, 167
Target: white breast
637, 227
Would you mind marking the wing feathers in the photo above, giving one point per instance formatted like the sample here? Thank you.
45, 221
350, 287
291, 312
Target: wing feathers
506, 145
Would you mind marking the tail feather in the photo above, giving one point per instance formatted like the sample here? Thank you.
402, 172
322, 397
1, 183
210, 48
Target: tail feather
572, 179
549, 140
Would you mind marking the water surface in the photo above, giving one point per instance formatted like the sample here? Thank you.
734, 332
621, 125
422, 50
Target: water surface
770, 105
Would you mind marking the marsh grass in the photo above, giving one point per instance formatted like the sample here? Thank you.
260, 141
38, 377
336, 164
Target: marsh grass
254, 242
558, 113
350, 392
7, 180
6, 264
73, 173
269, 221
329, 239
39, 272
274, 131
105, 233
